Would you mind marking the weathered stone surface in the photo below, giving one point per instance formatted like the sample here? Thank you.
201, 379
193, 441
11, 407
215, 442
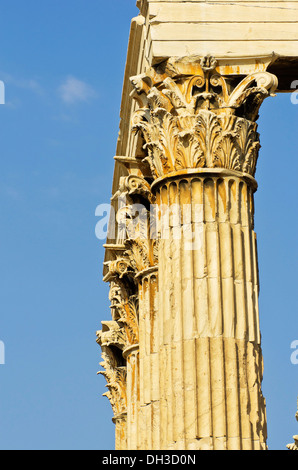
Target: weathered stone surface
178, 27
199, 121
183, 352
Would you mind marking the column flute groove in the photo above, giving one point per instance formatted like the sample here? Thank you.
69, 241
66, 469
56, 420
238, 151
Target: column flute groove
201, 142
182, 353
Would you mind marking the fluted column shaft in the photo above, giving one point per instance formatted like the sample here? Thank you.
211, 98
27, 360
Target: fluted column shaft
131, 355
143, 414
209, 339
193, 367
120, 431
149, 435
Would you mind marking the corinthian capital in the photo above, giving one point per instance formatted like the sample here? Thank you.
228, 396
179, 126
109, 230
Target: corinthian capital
201, 119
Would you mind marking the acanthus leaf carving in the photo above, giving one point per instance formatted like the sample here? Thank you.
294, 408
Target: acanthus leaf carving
202, 121
112, 340
115, 376
130, 320
119, 333
189, 145
142, 253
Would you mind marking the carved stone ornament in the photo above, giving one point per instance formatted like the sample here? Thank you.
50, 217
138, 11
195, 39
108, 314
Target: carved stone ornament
120, 333
200, 121
123, 331
120, 267
133, 185
117, 296
116, 381
294, 446
112, 334
137, 225
143, 254
130, 320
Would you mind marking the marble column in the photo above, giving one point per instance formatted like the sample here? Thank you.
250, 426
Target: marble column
200, 138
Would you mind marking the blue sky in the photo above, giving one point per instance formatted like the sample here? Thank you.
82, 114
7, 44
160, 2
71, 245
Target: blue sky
62, 63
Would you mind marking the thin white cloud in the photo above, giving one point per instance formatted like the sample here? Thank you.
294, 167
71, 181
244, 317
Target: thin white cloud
27, 84
74, 90
11, 192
